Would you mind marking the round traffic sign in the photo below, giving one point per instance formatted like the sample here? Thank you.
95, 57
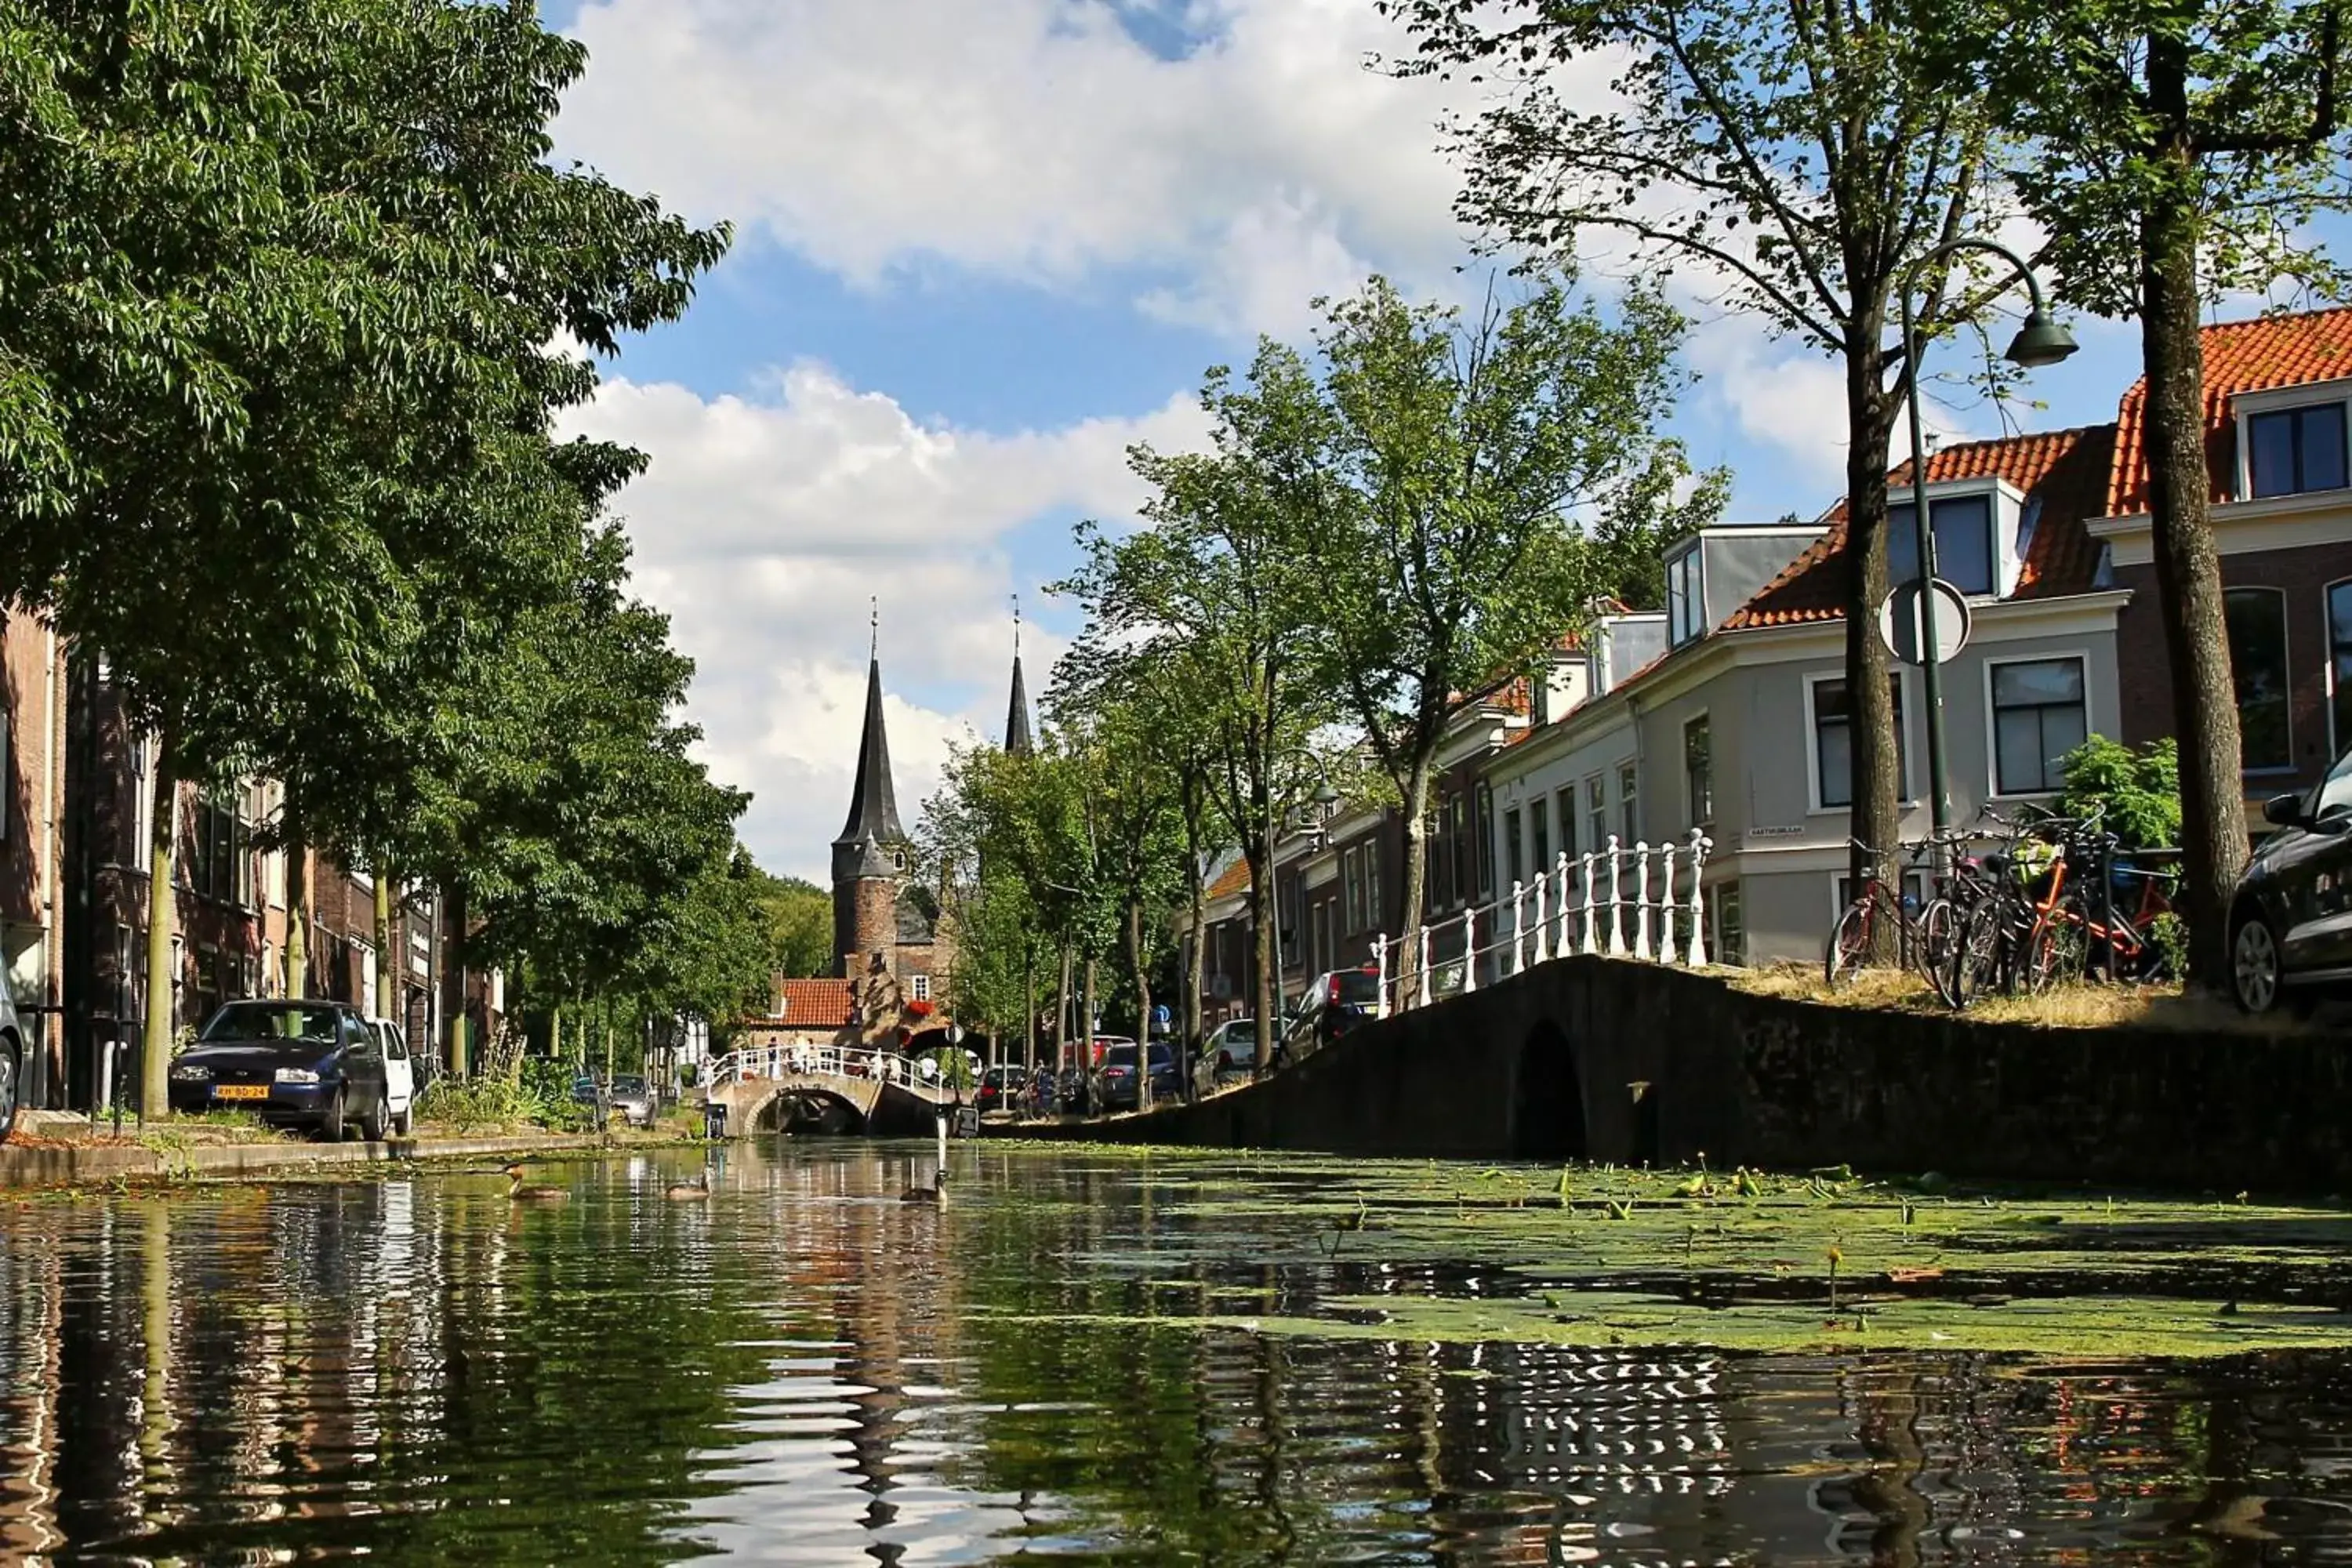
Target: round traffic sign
1899, 618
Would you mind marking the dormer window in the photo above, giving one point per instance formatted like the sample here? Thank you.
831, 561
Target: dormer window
2290, 451
1686, 597
1966, 553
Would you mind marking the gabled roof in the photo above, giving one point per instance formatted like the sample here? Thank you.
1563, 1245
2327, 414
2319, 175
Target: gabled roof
812, 1003
2240, 356
1231, 882
2065, 470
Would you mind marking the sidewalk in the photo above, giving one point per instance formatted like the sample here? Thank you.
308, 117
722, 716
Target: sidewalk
45, 1164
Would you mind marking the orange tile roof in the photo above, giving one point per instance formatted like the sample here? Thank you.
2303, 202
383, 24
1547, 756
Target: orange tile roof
2066, 469
2240, 356
812, 1003
1232, 881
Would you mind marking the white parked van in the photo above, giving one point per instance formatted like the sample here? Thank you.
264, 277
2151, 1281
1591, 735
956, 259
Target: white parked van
399, 1077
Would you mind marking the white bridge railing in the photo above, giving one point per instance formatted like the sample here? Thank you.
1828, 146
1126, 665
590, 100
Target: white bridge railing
798, 1061
1641, 901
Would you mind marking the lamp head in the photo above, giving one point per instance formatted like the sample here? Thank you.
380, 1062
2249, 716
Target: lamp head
1325, 794
2041, 341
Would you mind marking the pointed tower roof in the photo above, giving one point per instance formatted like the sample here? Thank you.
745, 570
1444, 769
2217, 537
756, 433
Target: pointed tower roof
872, 802
1017, 740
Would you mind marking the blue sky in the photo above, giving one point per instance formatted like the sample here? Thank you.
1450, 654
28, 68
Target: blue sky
974, 261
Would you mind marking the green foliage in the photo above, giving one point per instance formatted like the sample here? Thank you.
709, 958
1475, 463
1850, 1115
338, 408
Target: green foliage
800, 925
2138, 791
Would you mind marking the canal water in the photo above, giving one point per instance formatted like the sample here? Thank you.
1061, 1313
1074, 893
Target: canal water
807, 1369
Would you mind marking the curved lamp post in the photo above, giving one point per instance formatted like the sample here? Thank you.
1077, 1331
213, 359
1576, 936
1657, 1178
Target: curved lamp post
2041, 340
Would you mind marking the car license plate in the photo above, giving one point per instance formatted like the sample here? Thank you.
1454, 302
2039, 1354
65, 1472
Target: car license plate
240, 1091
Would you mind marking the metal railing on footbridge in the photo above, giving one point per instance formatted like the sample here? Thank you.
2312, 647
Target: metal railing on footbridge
806, 1060
1640, 900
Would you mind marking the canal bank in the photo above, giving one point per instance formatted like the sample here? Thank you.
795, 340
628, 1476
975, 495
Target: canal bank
1614, 1061
49, 1163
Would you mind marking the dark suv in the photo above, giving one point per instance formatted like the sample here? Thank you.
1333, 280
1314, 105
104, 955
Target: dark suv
2291, 916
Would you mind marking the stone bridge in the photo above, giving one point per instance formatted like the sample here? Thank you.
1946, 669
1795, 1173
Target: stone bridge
1614, 1059
833, 1089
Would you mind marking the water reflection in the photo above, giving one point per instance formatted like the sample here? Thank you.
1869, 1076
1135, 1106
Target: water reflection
806, 1370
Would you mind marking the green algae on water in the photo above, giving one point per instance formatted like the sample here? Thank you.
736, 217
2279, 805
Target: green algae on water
1744, 1261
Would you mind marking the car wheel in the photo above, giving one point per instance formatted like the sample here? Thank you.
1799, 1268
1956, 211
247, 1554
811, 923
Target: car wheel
378, 1120
331, 1125
9, 1082
2254, 965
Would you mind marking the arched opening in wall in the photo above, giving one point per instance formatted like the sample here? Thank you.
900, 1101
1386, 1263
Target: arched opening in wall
1547, 1112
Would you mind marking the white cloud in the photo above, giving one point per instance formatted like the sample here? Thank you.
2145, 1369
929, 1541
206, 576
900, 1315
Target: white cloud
766, 524
1035, 140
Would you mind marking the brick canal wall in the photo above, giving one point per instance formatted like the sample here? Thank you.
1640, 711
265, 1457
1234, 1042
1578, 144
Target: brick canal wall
1611, 1061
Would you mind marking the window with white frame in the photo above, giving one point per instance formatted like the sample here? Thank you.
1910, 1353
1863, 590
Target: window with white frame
1596, 814
1482, 824
1568, 846
1684, 599
1965, 554
1351, 885
1629, 804
2339, 665
1538, 837
2256, 621
2039, 714
2290, 451
921, 986
1372, 916
1698, 770
1514, 848
1833, 742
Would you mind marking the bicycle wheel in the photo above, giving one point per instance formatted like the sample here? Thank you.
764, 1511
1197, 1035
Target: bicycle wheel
1974, 960
1849, 944
1939, 928
2048, 955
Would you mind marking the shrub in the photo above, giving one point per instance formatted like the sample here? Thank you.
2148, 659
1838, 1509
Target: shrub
2139, 791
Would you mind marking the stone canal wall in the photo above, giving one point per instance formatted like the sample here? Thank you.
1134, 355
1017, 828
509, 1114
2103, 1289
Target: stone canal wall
1611, 1061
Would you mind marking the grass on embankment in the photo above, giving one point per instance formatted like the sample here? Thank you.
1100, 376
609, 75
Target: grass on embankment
2072, 1005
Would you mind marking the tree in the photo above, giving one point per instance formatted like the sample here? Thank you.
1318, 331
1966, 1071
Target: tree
1801, 154
1216, 591
1467, 453
275, 366
2174, 153
799, 916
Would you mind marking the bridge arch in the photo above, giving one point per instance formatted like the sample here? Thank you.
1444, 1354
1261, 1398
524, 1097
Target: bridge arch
1547, 1112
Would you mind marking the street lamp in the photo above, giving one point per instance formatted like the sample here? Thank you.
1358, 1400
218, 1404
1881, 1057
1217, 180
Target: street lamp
2041, 341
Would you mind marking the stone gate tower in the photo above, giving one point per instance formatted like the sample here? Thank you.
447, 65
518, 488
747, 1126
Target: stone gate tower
869, 858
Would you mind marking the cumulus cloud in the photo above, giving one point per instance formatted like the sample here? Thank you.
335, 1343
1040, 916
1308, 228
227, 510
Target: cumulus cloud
1034, 140
767, 523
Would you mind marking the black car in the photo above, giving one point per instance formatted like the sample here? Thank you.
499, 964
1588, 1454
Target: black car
299, 1063
2291, 915
1340, 1000
1123, 1090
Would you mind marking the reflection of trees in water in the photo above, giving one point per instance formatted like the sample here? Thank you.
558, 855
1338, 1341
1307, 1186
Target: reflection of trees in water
806, 1359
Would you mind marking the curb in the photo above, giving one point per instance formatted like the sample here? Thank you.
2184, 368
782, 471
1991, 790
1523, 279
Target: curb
84, 1164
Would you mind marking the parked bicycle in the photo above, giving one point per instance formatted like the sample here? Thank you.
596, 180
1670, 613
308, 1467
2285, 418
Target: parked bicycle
1922, 931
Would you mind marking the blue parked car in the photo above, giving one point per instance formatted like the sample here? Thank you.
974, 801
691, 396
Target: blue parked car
300, 1064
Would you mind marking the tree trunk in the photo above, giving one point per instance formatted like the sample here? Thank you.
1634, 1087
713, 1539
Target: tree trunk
1416, 794
387, 961
155, 1056
461, 1021
1063, 1061
1196, 969
1876, 781
298, 913
1087, 1038
2187, 569
1028, 1006
1135, 958
1269, 959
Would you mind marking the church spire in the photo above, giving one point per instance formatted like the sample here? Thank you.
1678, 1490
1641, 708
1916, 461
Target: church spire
872, 802
1017, 742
